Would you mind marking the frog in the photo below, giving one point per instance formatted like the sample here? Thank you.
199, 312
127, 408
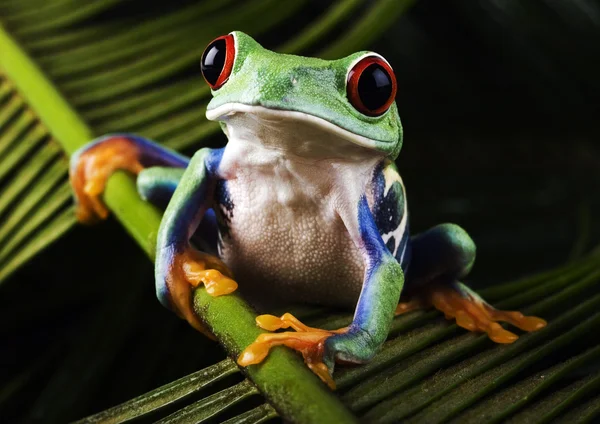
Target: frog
304, 203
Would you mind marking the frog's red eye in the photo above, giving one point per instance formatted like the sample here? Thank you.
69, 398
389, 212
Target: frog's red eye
371, 86
217, 61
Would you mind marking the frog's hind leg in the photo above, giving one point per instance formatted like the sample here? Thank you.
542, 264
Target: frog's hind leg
441, 257
94, 163
159, 172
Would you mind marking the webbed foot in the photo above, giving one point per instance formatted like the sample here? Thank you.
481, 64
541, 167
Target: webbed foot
309, 341
90, 170
190, 269
201, 268
471, 312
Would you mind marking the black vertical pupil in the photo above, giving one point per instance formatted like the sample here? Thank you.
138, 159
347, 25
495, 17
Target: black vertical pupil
213, 60
374, 86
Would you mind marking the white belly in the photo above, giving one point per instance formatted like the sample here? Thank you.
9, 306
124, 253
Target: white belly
286, 238
295, 249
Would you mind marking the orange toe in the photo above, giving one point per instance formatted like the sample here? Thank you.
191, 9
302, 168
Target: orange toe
307, 340
499, 335
473, 313
309, 344
189, 271
94, 168
465, 321
525, 323
201, 268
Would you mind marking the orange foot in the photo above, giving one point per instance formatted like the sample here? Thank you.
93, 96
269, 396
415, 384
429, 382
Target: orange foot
309, 341
192, 267
471, 311
93, 168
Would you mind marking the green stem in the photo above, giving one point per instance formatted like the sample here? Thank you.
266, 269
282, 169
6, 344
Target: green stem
300, 394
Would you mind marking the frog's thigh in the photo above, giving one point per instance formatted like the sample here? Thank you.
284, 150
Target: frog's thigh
444, 253
157, 185
441, 257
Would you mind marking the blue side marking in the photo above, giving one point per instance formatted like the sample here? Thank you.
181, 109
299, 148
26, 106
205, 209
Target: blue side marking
388, 211
369, 233
214, 160
376, 251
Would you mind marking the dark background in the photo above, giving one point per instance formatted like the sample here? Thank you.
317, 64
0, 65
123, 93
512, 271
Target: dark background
499, 102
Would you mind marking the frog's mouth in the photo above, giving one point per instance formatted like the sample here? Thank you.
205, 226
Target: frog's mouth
293, 127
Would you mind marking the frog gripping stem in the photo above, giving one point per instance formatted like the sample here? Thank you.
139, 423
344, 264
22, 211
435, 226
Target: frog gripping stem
90, 170
309, 341
190, 269
159, 172
305, 195
201, 268
93, 164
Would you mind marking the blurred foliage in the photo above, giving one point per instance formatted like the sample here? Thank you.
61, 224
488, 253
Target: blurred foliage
498, 103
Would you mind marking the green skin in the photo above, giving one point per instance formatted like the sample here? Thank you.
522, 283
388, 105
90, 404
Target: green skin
263, 77
300, 155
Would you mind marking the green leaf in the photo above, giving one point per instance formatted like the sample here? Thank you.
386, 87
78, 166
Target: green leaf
71, 70
165, 395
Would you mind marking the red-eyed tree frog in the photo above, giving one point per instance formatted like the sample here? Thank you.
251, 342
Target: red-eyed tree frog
304, 203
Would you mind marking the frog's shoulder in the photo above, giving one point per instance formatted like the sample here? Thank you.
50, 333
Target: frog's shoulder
388, 206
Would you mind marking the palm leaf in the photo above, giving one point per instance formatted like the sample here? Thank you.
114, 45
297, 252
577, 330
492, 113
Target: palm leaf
71, 70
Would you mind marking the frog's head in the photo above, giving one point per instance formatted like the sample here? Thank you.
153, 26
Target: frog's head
349, 99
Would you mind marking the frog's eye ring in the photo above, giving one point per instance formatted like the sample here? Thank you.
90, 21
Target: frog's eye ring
371, 86
217, 61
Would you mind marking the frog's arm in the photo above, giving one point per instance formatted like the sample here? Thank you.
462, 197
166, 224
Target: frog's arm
383, 282
179, 266
157, 185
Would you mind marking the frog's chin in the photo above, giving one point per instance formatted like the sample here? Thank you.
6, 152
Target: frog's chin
296, 124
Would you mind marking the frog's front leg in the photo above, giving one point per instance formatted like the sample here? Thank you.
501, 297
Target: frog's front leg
383, 281
179, 266
160, 174
441, 257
